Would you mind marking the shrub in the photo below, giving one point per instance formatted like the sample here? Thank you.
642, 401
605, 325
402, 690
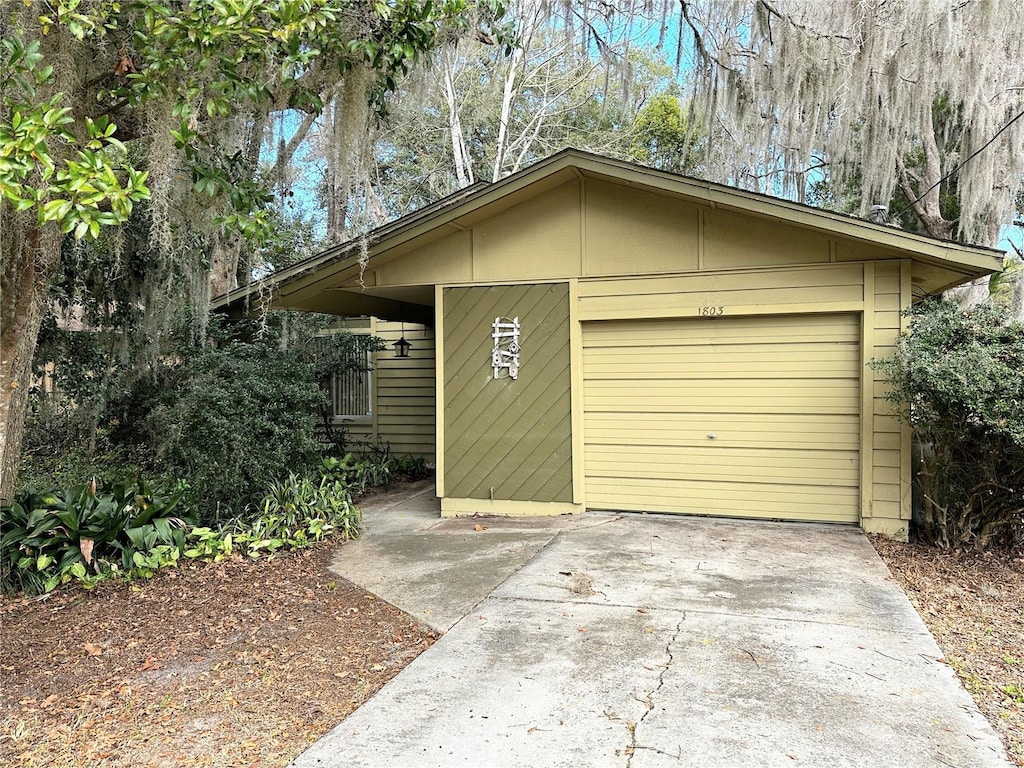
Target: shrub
233, 420
233, 411
51, 537
959, 379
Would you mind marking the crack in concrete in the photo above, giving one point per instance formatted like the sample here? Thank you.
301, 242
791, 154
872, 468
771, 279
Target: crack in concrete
648, 701
705, 612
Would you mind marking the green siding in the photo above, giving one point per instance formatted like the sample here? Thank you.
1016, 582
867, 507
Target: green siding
404, 406
507, 439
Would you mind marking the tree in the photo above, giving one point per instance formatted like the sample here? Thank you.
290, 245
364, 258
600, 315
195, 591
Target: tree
923, 98
484, 110
921, 104
663, 138
191, 84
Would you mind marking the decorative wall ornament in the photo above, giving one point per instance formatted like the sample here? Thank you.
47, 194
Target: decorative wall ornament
505, 355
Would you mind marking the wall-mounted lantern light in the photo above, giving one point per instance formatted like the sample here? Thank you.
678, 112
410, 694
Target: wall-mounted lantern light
402, 346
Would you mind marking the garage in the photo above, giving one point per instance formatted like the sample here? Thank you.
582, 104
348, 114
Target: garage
607, 336
755, 416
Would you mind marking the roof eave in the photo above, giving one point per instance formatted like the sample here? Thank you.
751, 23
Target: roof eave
976, 261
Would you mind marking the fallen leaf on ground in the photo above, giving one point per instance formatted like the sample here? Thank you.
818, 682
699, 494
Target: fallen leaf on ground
244, 691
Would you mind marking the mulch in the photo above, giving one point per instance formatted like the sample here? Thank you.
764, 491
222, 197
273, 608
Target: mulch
248, 662
974, 606
238, 663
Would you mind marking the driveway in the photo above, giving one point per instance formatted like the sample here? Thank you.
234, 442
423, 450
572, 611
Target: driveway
649, 641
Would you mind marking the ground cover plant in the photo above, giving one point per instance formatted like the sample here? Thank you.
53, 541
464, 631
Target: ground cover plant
93, 532
49, 538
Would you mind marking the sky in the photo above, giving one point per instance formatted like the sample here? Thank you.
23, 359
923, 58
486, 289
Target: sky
305, 198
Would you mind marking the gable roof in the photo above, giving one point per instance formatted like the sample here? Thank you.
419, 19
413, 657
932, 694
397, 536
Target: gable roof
459, 210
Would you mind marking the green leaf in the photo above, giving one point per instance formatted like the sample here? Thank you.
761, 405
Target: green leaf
56, 210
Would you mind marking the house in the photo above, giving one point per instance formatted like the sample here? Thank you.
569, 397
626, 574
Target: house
392, 401
599, 335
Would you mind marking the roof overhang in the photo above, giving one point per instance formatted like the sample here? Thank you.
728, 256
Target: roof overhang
313, 284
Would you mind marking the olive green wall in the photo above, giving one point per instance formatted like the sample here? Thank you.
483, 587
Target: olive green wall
506, 438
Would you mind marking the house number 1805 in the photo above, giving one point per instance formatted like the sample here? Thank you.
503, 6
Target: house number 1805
710, 311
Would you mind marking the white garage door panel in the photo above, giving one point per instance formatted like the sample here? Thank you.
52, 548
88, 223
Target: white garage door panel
780, 395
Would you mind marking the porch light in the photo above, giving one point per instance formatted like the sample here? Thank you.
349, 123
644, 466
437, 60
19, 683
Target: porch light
402, 347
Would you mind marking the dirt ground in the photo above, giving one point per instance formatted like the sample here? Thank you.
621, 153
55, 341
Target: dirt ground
974, 606
240, 663
246, 663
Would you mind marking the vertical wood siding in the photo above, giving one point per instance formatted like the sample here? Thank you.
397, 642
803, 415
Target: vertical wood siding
507, 439
781, 395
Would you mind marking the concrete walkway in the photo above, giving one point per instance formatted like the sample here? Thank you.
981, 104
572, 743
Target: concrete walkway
649, 641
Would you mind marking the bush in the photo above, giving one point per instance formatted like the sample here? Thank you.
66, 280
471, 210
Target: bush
961, 372
52, 537
233, 411
232, 420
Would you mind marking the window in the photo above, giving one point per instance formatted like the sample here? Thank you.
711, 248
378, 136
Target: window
349, 387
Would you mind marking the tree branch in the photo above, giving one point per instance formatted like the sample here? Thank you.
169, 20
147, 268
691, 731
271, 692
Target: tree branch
684, 6
908, 192
802, 27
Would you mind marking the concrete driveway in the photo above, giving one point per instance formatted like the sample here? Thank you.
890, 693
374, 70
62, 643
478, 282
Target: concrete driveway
649, 641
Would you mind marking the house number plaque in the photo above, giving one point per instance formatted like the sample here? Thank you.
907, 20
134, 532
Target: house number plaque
505, 355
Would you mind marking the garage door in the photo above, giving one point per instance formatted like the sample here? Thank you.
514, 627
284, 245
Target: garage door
745, 417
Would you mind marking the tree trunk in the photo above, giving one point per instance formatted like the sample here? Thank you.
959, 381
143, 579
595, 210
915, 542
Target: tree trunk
460, 154
338, 172
225, 252
29, 257
507, 95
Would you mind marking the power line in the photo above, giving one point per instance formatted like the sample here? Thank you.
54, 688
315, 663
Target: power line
970, 157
